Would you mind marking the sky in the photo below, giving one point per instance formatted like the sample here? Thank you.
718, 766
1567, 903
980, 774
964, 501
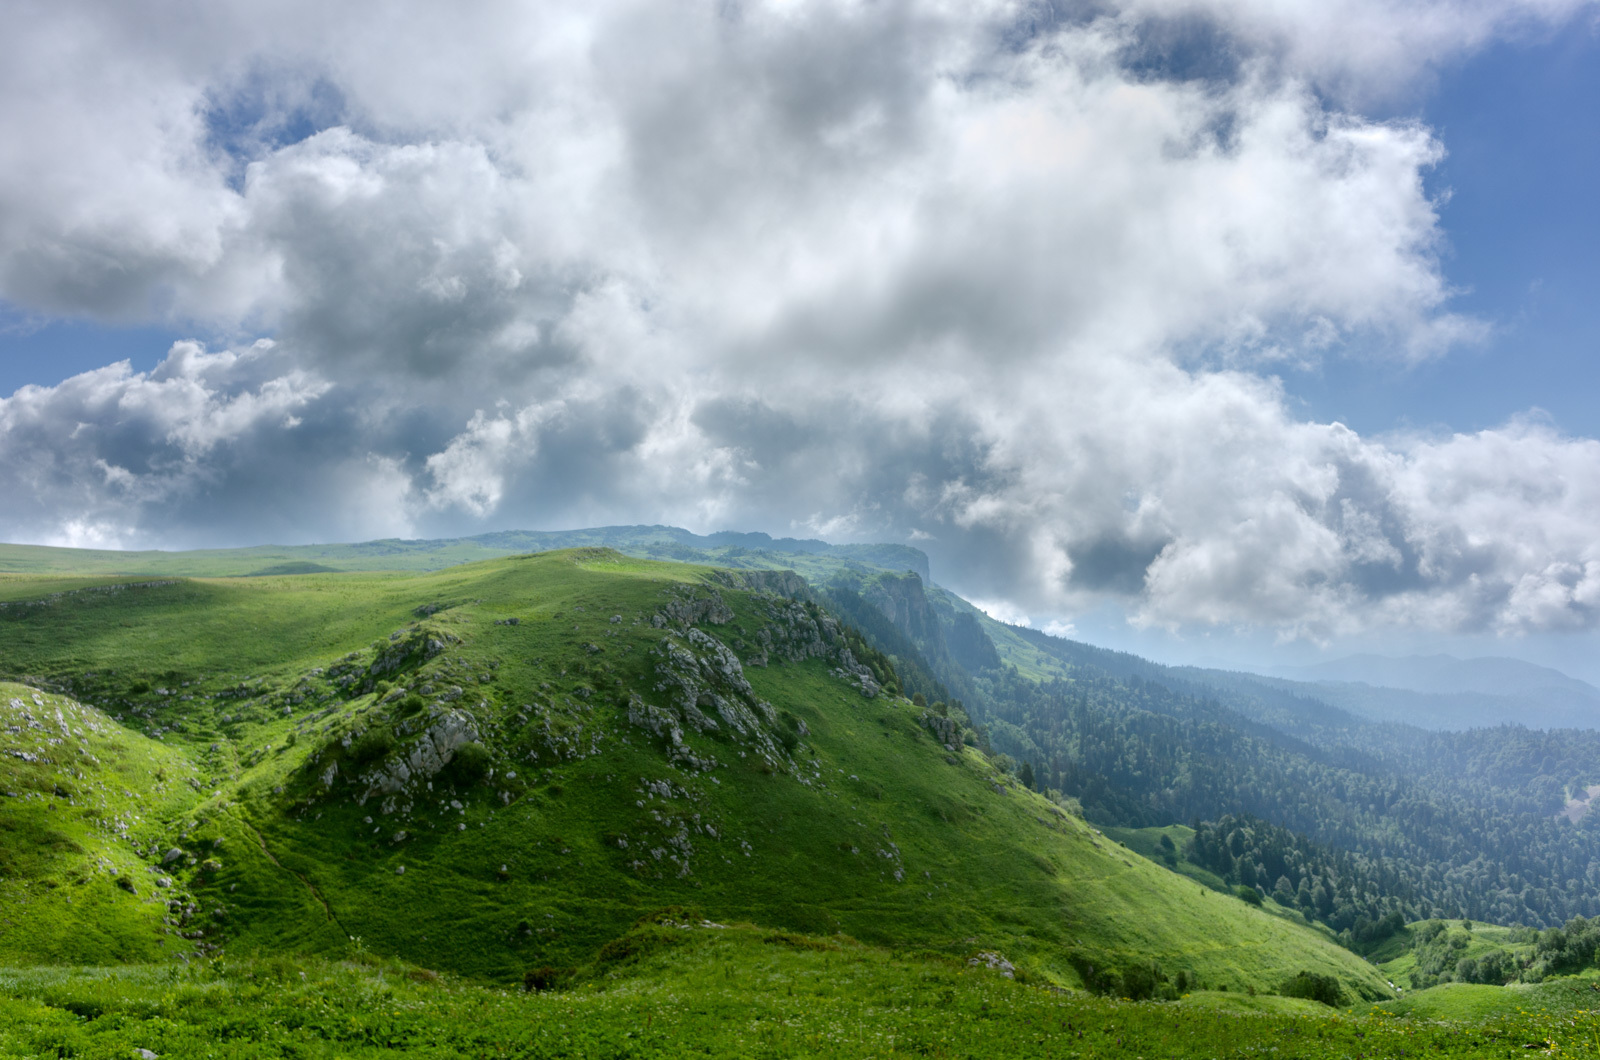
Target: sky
1228, 331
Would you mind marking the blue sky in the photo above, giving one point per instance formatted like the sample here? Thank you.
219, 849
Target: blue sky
1287, 351
1521, 123
44, 351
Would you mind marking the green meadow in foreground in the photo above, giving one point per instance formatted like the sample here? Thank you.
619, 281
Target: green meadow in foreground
670, 989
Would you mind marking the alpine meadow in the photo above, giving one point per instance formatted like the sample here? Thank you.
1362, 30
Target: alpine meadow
724, 806
610, 530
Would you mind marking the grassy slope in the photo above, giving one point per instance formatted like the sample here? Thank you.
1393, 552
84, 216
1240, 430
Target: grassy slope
234, 562
1147, 843
1396, 957
1567, 999
985, 864
735, 991
80, 798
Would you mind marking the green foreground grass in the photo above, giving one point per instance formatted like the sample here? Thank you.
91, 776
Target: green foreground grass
668, 991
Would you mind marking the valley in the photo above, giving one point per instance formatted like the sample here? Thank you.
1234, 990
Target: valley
586, 773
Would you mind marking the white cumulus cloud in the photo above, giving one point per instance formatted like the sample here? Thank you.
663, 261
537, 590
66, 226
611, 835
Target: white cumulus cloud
1001, 280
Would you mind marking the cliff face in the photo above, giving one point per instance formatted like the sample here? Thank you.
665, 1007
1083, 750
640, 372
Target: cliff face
903, 602
950, 640
891, 557
970, 646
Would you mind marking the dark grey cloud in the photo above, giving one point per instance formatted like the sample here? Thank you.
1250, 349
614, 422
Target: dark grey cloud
1113, 564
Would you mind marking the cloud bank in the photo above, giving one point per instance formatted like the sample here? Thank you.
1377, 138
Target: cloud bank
1005, 280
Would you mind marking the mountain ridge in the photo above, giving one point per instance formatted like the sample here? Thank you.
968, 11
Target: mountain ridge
1448, 823
1441, 673
505, 764
732, 548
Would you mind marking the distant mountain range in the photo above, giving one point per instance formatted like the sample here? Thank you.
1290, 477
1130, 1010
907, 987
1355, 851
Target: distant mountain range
1492, 675
1444, 692
807, 556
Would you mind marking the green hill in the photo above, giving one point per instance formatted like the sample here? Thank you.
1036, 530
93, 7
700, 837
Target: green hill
1389, 821
726, 549
503, 765
1429, 952
83, 805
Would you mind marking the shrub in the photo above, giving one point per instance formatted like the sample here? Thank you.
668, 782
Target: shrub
374, 745
409, 705
470, 764
1496, 968
1248, 894
538, 980
1139, 983
1313, 986
639, 943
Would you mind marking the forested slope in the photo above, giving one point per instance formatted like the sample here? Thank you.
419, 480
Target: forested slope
1382, 817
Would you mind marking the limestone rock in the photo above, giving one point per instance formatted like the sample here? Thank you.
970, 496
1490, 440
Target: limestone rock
990, 959
427, 757
946, 730
694, 610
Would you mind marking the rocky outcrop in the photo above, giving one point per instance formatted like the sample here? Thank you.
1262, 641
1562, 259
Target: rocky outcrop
856, 673
785, 583
664, 725
659, 722
903, 601
994, 961
946, 730
426, 757
706, 691
686, 608
797, 632
410, 650
702, 679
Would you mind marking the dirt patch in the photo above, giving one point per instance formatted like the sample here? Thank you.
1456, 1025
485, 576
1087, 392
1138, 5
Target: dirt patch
1576, 808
